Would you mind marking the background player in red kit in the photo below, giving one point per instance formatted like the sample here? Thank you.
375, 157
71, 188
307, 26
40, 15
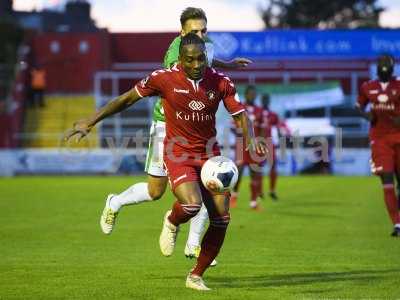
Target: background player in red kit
246, 158
383, 95
191, 93
270, 120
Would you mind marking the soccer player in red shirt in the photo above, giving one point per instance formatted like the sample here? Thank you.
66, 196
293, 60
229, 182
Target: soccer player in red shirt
383, 95
247, 158
270, 120
191, 93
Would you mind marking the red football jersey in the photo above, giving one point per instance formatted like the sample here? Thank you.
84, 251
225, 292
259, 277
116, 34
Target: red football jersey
385, 104
270, 119
190, 106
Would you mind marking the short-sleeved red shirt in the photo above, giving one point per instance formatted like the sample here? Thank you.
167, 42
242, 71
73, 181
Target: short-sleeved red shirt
385, 104
190, 106
270, 119
255, 114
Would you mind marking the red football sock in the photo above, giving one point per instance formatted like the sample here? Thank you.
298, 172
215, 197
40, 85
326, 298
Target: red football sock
181, 213
391, 203
255, 186
211, 243
273, 175
260, 185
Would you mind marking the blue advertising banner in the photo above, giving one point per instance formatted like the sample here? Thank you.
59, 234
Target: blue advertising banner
310, 44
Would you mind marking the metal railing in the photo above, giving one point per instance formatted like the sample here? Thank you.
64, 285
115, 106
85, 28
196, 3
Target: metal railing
354, 126
117, 122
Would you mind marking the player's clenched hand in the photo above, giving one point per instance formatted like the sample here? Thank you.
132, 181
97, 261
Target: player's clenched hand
261, 148
212, 186
80, 130
257, 146
372, 167
240, 62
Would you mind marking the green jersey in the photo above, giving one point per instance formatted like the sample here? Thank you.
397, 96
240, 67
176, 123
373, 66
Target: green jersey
170, 58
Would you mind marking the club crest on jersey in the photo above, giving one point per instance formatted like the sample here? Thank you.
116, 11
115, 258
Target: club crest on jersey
211, 95
383, 98
196, 105
144, 81
394, 92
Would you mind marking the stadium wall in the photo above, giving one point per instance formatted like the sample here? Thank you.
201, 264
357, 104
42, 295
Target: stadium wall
71, 59
139, 47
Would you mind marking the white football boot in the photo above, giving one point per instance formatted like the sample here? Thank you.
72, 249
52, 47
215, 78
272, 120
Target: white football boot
196, 282
168, 236
108, 217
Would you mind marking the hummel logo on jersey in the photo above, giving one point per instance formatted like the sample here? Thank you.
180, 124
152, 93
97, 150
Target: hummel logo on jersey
144, 81
181, 91
196, 105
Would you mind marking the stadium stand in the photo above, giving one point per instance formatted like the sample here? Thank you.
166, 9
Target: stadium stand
43, 127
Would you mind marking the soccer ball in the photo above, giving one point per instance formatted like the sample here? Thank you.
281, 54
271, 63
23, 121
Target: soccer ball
219, 174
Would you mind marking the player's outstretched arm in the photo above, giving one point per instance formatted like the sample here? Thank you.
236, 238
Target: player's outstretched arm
244, 124
236, 63
82, 128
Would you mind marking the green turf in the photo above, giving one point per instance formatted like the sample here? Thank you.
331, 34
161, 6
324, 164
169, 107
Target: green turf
327, 238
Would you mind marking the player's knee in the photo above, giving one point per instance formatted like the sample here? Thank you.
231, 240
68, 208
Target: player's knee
194, 200
156, 186
221, 221
156, 192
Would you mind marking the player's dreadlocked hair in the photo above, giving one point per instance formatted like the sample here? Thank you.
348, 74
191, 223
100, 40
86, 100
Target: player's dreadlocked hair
191, 39
192, 13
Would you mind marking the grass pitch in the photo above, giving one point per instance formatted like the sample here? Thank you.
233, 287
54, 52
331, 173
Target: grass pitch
326, 238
